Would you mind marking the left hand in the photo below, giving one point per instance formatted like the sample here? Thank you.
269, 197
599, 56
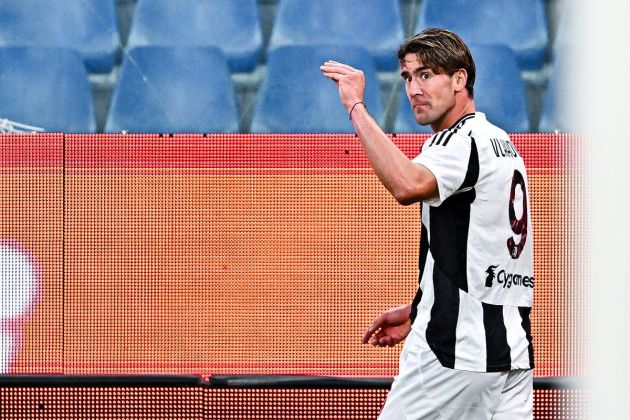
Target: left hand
349, 81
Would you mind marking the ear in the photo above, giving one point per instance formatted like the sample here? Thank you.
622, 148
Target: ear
459, 79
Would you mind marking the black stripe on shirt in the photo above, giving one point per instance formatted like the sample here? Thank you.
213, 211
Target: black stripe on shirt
440, 333
424, 250
439, 138
448, 138
453, 131
498, 357
460, 122
442, 135
449, 224
472, 173
525, 323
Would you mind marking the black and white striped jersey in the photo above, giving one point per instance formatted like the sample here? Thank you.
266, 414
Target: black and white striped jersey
476, 255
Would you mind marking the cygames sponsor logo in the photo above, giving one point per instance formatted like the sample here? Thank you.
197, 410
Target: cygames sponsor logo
507, 279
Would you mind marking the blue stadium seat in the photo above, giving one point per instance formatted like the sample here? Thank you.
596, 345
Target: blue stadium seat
499, 92
174, 90
375, 25
233, 26
499, 88
519, 24
46, 87
296, 98
89, 26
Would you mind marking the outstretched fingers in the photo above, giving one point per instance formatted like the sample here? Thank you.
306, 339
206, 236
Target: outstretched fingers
380, 339
349, 81
340, 65
376, 326
332, 76
333, 69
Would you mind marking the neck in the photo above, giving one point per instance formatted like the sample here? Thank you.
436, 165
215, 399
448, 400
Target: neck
461, 108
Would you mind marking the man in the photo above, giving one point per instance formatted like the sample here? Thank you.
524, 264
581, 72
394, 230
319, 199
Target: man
468, 351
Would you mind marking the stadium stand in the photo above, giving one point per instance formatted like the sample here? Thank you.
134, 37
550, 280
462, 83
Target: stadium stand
519, 24
174, 89
375, 25
296, 98
233, 26
88, 26
244, 28
46, 87
499, 88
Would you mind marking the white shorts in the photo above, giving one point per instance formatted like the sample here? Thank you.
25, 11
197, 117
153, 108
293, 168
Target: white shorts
424, 389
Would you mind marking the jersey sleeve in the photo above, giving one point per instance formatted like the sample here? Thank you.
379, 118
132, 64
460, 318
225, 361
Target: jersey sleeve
446, 155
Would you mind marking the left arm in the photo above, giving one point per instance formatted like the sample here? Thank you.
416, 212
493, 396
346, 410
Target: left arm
408, 182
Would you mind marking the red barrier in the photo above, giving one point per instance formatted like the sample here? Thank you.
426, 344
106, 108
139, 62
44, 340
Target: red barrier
249, 254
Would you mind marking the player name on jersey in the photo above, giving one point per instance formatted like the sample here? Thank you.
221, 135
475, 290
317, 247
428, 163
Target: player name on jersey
503, 148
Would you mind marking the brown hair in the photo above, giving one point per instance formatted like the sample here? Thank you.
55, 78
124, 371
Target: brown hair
442, 51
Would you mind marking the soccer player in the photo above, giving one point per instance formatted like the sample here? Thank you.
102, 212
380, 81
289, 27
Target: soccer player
468, 349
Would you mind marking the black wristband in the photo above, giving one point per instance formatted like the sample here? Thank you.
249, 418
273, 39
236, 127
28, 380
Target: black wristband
352, 109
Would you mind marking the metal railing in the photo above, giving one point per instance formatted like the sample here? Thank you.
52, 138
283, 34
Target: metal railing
236, 381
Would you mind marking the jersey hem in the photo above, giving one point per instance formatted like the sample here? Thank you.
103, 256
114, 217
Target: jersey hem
445, 362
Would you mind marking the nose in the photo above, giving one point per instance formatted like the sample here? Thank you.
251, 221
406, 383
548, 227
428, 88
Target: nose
414, 88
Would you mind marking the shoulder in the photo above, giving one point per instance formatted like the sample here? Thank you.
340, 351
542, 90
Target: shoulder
462, 129
444, 137
480, 128
450, 138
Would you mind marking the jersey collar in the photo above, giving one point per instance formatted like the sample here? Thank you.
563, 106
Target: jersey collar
462, 119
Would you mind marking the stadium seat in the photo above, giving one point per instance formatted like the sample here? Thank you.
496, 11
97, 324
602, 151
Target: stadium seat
519, 24
173, 90
499, 88
375, 25
89, 26
499, 92
46, 87
296, 98
233, 26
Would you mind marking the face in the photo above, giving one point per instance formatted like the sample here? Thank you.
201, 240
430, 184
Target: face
431, 95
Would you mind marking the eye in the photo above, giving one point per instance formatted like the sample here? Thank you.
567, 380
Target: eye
408, 79
425, 76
